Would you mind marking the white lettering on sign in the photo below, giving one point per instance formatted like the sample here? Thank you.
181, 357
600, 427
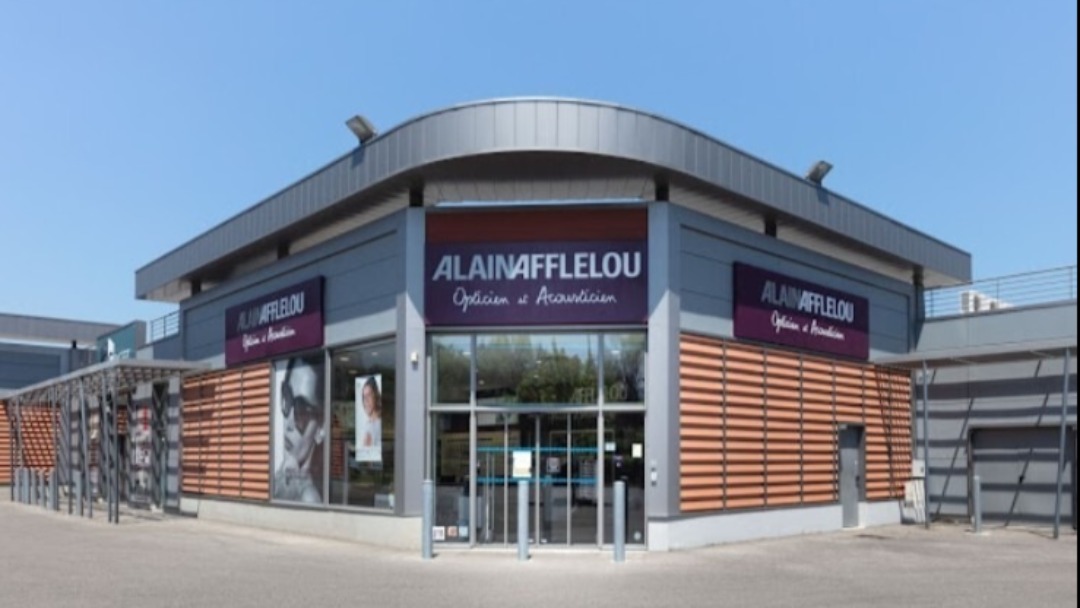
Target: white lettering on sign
783, 322
271, 312
585, 296
809, 302
534, 266
465, 300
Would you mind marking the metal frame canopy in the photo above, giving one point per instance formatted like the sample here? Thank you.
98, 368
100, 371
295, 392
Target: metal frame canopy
81, 410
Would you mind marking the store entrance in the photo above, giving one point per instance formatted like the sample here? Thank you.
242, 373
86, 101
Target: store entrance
557, 456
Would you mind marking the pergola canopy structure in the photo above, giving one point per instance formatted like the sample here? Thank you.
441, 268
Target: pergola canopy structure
77, 417
985, 355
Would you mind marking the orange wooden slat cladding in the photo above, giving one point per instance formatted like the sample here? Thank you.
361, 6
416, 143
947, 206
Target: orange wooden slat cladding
226, 434
758, 426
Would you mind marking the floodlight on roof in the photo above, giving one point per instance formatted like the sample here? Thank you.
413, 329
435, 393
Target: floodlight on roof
361, 128
818, 172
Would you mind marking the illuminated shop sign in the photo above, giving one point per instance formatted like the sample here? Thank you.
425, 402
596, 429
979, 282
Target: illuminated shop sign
536, 283
774, 308
284, 321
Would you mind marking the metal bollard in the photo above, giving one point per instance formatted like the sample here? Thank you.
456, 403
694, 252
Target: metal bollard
43, 499
80, 509
428, 519
523, 520
620, 521
54, 491
35, 496
976, 496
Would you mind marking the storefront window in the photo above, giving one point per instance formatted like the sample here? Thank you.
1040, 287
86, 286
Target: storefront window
536, 369
453, 368
624, 368
362, 426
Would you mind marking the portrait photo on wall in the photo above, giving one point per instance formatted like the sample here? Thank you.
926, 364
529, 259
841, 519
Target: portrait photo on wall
300, 429
369, 418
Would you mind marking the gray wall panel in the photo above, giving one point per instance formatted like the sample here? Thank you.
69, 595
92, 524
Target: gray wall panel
964, 399
22, 366
1005, 327
363, 273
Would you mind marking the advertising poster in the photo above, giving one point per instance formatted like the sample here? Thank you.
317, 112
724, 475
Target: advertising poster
299, 423
369, 418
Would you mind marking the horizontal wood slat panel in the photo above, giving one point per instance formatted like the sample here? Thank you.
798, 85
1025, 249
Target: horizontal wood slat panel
758, 426
226, 434
5, 445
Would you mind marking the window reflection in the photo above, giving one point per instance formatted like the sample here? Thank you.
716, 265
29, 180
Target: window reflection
624, 368
536, 368
452, 361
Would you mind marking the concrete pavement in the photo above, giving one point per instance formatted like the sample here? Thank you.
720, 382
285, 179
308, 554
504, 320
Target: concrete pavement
49, 559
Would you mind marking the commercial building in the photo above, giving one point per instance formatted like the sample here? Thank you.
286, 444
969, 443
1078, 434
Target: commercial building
556, 292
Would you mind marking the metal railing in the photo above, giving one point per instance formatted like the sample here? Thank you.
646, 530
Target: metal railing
163, 327
1012, 291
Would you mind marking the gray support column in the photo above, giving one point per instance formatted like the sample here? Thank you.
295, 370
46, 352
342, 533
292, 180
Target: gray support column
1061, 446
926, 441
411, 398
116, 452
54, 491
172, 445
662, 374
14, 489
84, 455
70, 448
81, 504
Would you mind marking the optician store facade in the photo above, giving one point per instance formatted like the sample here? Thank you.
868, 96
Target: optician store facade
561, 292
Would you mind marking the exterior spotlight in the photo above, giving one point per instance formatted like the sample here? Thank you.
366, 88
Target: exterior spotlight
361, 128
818, 172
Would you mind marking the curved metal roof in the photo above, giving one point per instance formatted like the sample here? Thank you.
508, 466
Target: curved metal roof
560, 126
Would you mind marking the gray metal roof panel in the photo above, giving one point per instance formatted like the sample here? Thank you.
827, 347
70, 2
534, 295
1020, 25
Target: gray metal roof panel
47, 329
505, 126
989, 353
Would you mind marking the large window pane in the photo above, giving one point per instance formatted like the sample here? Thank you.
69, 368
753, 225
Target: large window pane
362, 426
453, 365
536, 368
624, 368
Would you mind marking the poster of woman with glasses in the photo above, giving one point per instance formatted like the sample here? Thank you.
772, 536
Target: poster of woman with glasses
299, 429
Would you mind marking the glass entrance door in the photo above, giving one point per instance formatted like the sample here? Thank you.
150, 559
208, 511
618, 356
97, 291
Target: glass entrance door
558, 456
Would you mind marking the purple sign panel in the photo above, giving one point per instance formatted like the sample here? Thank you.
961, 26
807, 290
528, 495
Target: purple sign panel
774, 308
281, 322
536, 283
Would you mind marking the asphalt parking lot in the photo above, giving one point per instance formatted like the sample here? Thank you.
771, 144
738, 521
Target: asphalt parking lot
48, 559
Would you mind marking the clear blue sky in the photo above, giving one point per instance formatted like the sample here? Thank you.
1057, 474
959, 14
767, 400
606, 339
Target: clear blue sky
127, 128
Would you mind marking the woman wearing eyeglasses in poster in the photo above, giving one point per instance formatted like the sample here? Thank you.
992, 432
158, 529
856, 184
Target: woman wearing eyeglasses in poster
369, 419
300, 431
